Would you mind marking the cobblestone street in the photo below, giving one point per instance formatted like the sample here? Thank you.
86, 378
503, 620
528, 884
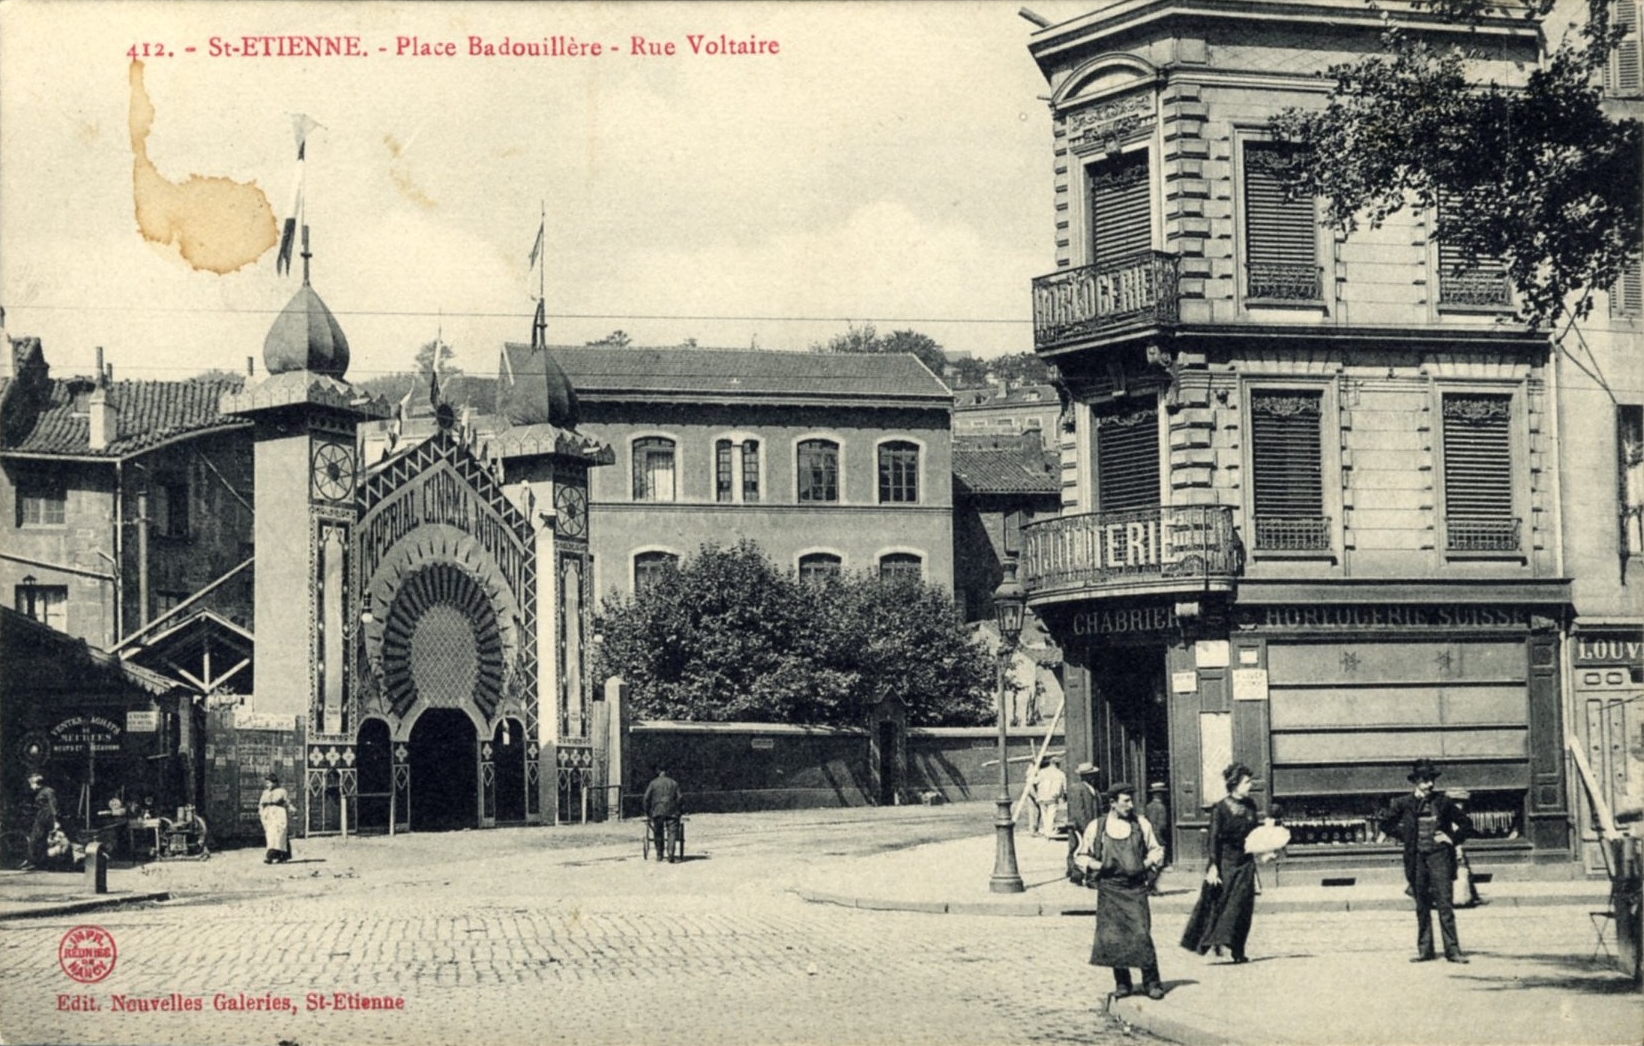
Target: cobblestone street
490, 937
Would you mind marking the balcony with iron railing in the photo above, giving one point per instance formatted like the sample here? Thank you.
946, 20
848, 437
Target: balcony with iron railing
1134, 291
1481, 535
1144, 551
1291, 534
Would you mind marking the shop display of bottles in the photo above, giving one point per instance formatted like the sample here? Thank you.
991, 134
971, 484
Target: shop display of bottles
1323, 826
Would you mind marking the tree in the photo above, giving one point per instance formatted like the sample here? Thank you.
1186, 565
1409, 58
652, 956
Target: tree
866, 339
1022, 368
1539, 176
617, 339
726, 636
968, 372
425, 359
217, 374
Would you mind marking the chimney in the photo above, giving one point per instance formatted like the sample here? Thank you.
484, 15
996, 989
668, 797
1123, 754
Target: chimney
105, 419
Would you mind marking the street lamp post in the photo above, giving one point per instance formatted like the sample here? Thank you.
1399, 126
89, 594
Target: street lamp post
1008, 599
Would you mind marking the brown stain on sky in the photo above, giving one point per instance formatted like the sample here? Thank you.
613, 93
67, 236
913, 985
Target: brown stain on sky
217, 224
401, 176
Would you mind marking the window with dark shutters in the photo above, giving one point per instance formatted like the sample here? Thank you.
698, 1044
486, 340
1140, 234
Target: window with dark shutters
1121, 208
1464, 280
1280, 231
1286, 452
1127, 459
1478, 474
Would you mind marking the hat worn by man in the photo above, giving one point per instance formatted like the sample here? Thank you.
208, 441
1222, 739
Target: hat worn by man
1086, 767
1121, 788
1158, 786
1425, 770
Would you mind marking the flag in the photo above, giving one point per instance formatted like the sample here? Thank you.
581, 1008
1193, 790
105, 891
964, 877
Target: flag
536, 248
301, 125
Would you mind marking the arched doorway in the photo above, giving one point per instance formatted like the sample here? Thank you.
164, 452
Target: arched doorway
444, 771
508, 761
375, 761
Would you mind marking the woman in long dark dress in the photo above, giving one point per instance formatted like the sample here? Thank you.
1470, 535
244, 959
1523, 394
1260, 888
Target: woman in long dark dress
1227, 900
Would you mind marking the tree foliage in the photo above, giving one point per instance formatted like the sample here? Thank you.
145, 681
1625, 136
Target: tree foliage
725, 636
617, 339
425, 358
1538, 175
867, 339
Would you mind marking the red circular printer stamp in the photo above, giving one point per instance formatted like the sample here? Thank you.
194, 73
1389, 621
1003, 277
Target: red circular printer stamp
87, 953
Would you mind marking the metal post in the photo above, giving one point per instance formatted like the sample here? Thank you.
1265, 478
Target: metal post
1007, 601
1006, 879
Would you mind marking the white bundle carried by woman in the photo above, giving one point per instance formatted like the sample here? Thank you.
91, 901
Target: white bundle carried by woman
1266, 840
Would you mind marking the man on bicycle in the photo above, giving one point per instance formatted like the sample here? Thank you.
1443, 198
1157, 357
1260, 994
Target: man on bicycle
663, 807
45, 821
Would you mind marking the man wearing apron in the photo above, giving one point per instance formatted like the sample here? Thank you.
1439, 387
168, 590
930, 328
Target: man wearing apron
1123, 850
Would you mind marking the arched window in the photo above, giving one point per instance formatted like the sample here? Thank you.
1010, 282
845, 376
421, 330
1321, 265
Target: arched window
898, 472
653, 469
818, 470
650, 566
901, 565
818, 565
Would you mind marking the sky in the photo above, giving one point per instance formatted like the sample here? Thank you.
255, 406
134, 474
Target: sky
891, 164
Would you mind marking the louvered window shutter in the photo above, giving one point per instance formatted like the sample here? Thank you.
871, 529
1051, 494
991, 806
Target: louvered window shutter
1626, 72
1121, 208
1478, 473
1127, 460
1281, 232
1627, 295
1286, 453
1471, 281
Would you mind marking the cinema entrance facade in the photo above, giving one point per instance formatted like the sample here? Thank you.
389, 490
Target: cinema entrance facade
1327, 690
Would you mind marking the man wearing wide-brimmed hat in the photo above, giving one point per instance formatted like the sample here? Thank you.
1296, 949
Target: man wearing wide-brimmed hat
1431, 826
1083, 804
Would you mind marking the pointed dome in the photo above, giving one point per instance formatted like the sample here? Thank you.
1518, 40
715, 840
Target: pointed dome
305, 336
532, 389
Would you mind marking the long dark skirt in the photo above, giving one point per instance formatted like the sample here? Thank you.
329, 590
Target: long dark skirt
1222, 917
1124, 927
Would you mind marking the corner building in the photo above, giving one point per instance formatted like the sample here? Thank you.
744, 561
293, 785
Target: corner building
1309, 497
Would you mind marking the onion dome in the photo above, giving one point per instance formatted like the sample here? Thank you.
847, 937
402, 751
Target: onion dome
532, 389
305, 336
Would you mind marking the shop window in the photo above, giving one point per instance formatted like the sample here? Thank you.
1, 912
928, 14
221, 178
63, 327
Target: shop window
1121, 209
1627, 293
818, 470
1478, 474
41, 502
1630, 477
750, 470
1281, 233
1625, 74
650, 567
817, 566
1469, 279
1127, 459
1287, 474
168, 508
47, 604
901, 565
898, 473
653, 469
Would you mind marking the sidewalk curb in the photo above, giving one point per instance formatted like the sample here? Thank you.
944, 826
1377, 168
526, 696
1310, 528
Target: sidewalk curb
1185, 1031
1025, 907
40, 911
